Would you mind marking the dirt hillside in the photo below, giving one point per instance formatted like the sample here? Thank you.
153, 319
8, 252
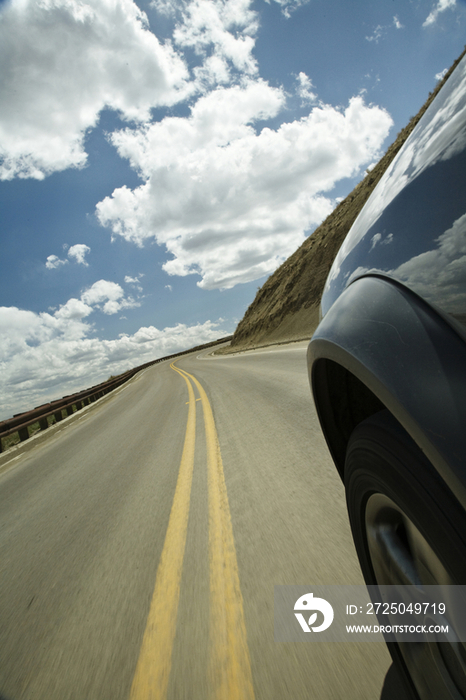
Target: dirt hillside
286, 306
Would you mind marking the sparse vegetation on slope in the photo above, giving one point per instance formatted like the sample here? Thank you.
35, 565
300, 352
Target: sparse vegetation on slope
286, 306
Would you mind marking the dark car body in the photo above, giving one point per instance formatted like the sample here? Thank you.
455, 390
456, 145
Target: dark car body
394, 305
387, 366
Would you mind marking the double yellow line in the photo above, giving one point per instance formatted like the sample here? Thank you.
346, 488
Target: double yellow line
229, 672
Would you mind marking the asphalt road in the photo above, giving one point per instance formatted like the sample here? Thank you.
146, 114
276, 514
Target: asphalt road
140, 544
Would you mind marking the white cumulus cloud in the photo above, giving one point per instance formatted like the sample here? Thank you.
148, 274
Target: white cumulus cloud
79, 252
304, 88
288, 6
442, 74
76, 252
108, 296
103, 295
53, 261
441, 6
44, 356
62, 62
222, 31
73, 309
135, 282
230, 201
101, 291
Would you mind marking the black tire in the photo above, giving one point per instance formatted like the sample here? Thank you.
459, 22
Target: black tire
391, 487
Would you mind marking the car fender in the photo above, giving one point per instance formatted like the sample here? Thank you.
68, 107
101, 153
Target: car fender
407, 357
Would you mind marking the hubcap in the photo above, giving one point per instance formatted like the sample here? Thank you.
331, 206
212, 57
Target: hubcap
400, 555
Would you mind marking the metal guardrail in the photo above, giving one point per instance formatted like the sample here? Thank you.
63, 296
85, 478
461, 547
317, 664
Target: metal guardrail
20, 422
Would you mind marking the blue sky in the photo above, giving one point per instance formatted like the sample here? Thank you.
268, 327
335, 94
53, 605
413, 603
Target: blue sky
158, 160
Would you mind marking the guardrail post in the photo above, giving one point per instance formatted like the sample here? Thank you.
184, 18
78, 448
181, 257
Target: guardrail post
58, 416
23, 434
43, 423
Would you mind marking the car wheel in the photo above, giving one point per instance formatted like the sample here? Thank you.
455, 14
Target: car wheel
407, 529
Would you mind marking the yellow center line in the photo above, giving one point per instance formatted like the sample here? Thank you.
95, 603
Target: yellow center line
230, 666
153, 668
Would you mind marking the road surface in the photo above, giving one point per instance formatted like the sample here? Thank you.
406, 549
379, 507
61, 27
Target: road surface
140, 544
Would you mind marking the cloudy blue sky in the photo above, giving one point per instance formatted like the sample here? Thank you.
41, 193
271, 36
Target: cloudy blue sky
160, 158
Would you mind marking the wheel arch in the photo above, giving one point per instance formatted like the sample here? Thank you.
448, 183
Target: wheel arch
381, 346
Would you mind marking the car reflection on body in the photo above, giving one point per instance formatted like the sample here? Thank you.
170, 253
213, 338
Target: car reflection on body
387, 366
